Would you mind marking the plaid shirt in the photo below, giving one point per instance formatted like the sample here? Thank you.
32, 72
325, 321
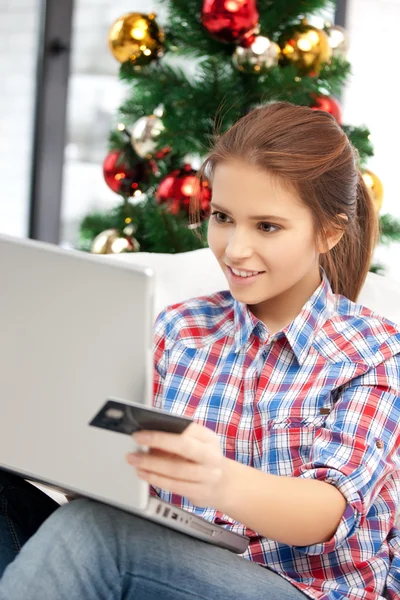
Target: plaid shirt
320, 400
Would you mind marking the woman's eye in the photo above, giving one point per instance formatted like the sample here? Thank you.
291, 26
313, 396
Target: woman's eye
222, 218
265, 227
219, 217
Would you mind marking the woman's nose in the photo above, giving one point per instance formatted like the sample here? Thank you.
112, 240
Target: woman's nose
238, 248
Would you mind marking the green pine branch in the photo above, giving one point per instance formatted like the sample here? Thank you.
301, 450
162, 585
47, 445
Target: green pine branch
157, 229
360, 138
217, 94
390, 229
276, 16
186, 35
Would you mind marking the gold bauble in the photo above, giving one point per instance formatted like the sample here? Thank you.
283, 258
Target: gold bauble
261, 56
136, 37
144, 135
375, 188
102, 243
338, 40
111, 242
305, 47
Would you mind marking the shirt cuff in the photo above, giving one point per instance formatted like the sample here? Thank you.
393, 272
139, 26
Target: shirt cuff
351, 518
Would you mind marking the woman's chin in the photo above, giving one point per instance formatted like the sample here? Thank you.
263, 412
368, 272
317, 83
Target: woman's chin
246, 296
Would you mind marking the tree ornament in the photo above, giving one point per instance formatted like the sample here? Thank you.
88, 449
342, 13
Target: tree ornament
305, 47
110, 241
163, 152
339, 40
177, 189
129, 231
328, 104
136, 37
259, 57
144, 135
375, 188
122, 178
230, 20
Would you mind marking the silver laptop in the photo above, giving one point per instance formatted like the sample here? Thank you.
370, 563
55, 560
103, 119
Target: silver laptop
75, 331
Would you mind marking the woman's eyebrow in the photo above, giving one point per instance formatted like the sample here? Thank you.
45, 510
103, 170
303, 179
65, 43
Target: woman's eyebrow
253, 217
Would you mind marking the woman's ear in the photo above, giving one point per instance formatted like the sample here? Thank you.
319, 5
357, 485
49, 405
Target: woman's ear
333, 236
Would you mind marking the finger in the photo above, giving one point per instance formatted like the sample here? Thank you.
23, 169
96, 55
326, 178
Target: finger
187, 447
200, 432
163, 453
168, 484
173, 468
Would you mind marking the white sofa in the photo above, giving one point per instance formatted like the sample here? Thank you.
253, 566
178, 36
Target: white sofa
189, 274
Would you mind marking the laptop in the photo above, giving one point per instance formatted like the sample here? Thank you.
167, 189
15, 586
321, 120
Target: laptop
75, 331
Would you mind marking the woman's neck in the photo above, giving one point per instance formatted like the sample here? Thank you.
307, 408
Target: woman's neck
281, 310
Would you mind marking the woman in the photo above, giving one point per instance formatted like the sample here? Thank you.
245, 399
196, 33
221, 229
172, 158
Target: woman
294, 389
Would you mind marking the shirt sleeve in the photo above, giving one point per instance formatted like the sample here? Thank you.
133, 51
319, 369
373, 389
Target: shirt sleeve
357, 449
159, 359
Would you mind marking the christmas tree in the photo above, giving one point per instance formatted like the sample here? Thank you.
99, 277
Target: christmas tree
246, 53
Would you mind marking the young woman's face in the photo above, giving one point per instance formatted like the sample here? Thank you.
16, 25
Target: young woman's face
258, 227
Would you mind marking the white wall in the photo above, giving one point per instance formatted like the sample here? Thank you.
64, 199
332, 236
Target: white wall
18, 34
371, 99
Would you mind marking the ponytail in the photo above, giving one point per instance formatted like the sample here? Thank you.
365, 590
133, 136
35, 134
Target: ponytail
347, 264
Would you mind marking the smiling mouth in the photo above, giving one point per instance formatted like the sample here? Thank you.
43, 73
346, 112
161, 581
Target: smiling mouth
240, 275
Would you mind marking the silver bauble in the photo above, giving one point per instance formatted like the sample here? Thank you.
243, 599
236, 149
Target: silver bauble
258, 58
338, 40
144, 135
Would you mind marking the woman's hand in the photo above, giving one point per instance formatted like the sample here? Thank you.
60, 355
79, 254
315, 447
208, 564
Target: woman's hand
189, 464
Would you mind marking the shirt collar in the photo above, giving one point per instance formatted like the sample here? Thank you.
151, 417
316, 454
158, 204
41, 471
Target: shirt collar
300, 333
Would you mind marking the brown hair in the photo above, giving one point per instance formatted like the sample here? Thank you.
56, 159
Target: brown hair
309, 152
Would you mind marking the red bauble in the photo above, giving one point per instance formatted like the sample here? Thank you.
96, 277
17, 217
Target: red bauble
230, 20
177, 189
121, 177
328, 104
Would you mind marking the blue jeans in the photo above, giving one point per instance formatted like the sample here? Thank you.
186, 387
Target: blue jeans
86, 550
23, 508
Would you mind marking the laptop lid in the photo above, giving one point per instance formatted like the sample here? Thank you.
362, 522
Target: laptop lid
75, 330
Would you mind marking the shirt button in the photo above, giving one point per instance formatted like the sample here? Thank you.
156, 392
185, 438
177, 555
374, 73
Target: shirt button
379, 444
